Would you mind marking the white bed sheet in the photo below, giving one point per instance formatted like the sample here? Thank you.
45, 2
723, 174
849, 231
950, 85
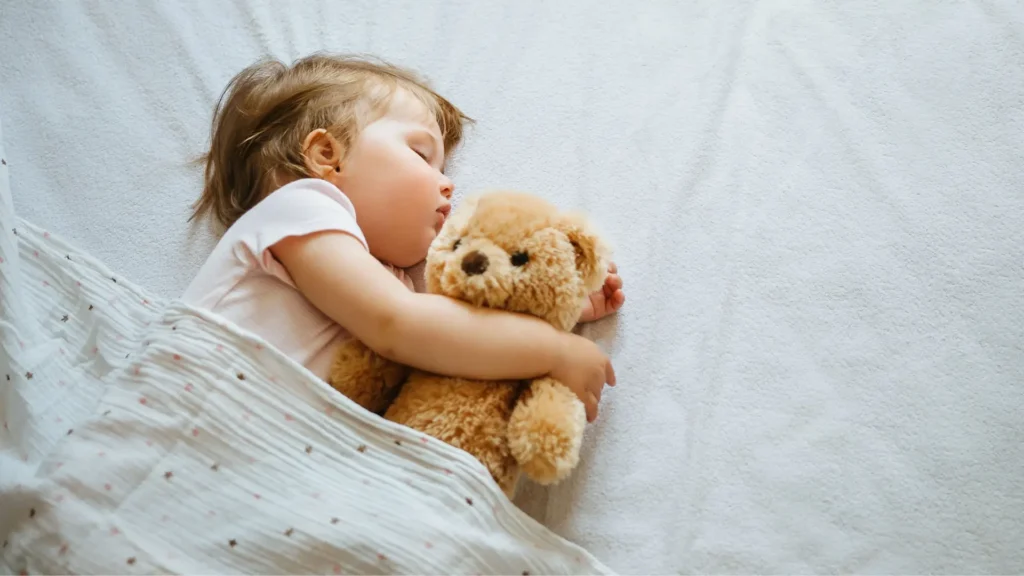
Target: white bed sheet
818, 208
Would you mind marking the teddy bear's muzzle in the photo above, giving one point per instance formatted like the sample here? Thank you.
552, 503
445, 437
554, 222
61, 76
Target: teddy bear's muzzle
475, 263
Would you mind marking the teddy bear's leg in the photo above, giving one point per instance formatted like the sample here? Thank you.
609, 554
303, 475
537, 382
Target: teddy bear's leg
468, 414
366, 378
546, 431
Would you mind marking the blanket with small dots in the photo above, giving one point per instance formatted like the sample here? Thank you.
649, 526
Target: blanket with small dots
142, 436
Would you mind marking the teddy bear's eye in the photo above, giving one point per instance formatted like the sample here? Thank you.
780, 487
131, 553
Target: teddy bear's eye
520, 258
457, 244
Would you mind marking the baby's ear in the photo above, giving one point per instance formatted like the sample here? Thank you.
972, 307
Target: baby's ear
591, 251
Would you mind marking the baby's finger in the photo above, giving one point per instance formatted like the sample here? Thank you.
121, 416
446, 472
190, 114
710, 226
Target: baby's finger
612, 268
591, 407
618, 299
614, 281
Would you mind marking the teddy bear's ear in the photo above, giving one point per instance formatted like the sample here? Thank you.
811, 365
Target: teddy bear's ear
591, 251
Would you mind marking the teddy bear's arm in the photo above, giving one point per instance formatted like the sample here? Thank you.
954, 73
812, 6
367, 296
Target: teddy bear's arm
365, 377
546, 430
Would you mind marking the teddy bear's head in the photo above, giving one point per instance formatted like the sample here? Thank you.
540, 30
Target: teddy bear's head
514, 251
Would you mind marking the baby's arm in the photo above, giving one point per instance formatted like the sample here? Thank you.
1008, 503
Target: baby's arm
432, 332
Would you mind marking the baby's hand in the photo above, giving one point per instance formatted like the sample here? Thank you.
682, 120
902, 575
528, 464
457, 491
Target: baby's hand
607, 300
583, 368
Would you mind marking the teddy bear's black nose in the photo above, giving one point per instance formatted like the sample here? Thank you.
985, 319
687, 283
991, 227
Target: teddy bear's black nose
474, 263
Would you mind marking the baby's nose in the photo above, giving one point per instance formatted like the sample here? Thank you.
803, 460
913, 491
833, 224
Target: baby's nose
474, 263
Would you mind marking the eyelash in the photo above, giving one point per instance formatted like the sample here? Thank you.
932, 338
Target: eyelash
421, 155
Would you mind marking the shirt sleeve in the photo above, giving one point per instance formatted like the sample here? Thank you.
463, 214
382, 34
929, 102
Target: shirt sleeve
303, 207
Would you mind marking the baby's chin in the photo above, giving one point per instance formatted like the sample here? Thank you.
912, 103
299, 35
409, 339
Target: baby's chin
413, 255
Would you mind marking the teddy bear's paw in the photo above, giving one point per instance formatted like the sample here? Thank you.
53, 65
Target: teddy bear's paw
546, 430
365, 377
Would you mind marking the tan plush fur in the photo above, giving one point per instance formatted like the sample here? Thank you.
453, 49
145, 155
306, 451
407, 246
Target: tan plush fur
511, 427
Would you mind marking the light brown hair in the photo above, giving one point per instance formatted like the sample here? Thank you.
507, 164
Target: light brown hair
268, 108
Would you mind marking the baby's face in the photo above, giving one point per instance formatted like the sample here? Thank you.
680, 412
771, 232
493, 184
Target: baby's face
393, 174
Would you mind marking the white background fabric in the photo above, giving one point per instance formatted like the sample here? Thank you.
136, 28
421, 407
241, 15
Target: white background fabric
817, 208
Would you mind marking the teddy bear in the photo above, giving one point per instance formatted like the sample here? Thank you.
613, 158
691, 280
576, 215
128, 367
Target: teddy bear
505, 250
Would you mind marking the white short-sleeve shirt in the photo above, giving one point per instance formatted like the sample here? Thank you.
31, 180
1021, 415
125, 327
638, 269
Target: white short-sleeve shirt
243, 282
